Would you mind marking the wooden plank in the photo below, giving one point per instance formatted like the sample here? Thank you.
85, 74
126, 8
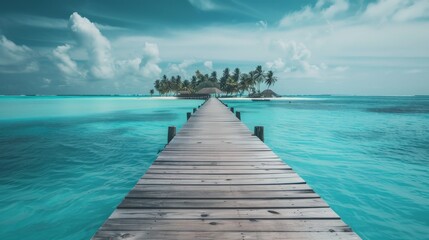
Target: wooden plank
214, 180
212, 214
226, 181
253, 225
241, 188
250, 172
220, 176
155, 167
223, 203
210, 194
183, 235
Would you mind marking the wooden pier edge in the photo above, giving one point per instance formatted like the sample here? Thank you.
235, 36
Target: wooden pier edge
216, 180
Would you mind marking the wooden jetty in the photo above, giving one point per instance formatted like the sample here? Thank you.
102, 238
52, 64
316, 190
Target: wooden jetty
215, 180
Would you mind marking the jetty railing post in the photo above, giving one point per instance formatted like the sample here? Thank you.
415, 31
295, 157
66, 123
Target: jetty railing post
171, 133
232, 109
259, 132
188, 115
194, 110
238, 115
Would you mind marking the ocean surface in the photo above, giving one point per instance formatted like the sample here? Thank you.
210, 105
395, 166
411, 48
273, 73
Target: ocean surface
66, 162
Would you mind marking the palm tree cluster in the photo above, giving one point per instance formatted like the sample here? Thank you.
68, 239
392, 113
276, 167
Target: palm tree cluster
230, 83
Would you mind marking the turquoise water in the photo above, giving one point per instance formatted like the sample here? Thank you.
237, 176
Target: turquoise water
66, 162
368, 157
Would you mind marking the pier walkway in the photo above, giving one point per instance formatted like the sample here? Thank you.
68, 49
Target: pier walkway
215, 180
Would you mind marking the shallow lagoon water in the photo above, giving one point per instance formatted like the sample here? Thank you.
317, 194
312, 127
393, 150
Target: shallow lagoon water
66, 162
368, 157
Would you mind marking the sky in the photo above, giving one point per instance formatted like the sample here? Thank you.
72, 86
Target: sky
359, 47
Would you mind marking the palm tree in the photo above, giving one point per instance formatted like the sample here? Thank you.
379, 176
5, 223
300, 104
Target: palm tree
259, 76
200, 77
157, 84
178, 84
231, 86
164, 86
186, 85
270, 79
194, 83
236, 74
246, 81
213, 77
224, 79
151, 92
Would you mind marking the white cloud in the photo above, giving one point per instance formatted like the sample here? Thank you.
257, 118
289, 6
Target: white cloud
295, 58
276, 65
205, 5
396, 10
323, 10
15, 58
64, 62
10, 53
333, 7
149, 65
100, 63
96, 45
180, 68
208, 65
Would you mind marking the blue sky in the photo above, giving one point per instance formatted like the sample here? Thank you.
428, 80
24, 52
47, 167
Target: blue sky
376, 47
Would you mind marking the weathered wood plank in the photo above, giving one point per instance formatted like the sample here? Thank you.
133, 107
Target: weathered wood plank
211, 214
253, 225
223, 203
241, 188
210, 194
220, 176
225, 181
183, 235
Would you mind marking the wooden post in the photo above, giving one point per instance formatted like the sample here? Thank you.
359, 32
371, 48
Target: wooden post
238, 115
194, 110
232, 109
171, 133
188, 115
259, 132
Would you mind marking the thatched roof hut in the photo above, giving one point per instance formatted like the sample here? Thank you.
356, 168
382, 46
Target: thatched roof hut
210, 90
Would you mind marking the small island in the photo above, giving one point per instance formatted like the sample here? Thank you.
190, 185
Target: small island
230, 84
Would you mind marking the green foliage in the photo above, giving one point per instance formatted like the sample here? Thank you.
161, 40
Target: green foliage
231, 84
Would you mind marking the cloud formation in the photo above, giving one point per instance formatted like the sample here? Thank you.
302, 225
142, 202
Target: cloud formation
149, 63
181, 68
64, 62
100, 63
323, 10
296, 58
15, 58
397, 10
96, 45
